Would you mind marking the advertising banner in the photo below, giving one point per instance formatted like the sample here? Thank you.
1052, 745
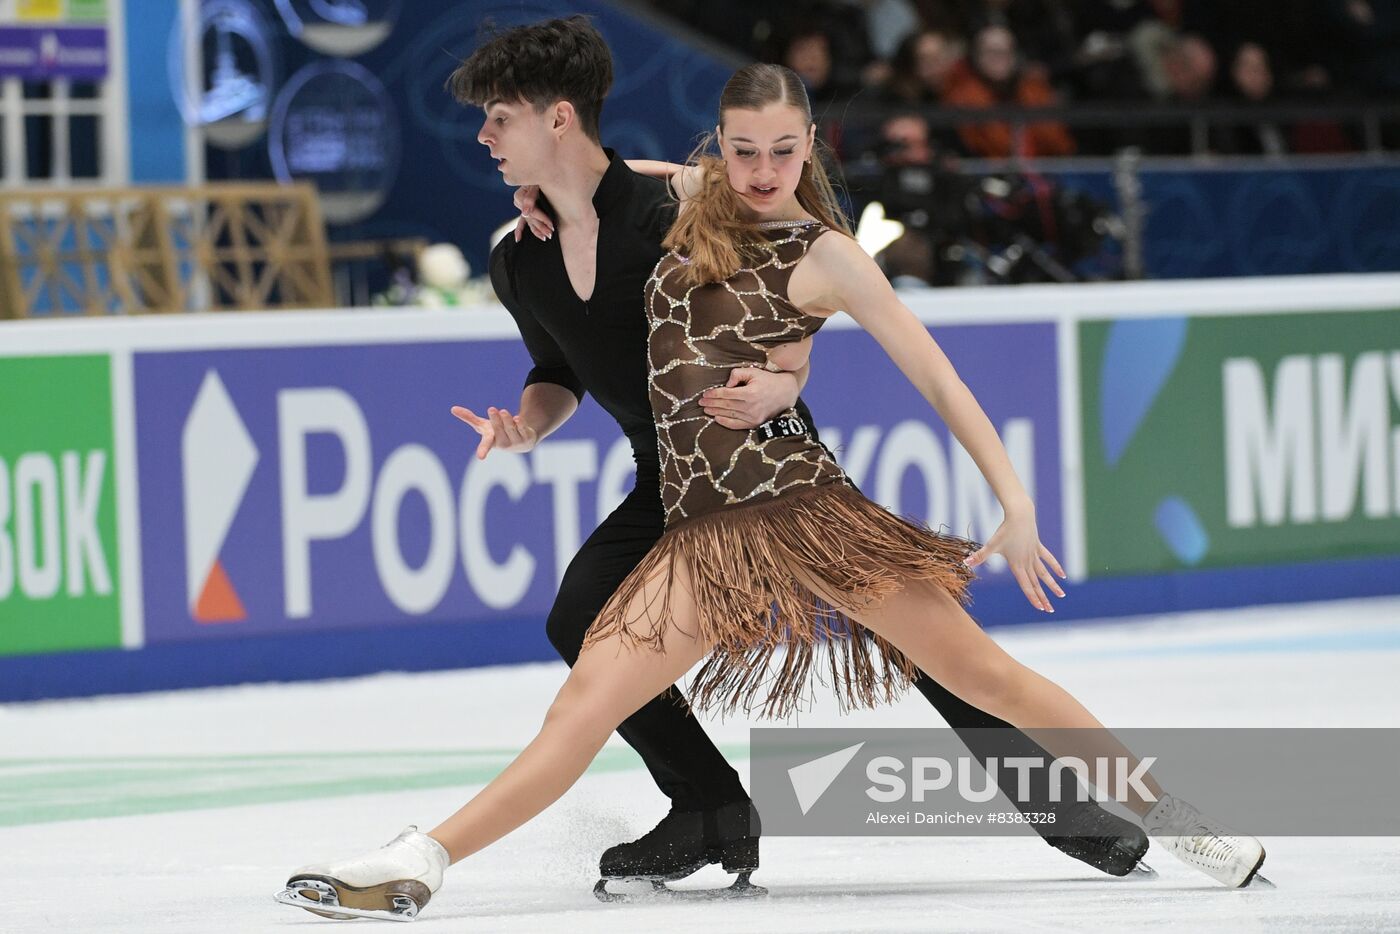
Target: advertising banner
1236, 440
40, 53
89, 10
40, 9
304, 489
307, 489
59, 564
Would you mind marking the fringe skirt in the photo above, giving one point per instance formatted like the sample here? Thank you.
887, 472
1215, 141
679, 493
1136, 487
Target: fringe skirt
750, 568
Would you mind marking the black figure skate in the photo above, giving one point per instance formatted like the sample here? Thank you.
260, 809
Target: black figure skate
684, 843
1105, 841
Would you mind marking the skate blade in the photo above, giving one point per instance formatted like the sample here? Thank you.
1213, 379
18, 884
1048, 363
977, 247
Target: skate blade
321, 898
1141, 873
1254, 880
740, 888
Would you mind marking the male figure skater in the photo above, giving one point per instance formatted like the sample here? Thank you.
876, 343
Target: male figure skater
577, 298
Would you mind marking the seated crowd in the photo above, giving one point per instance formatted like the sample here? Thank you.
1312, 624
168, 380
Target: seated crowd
1042, 53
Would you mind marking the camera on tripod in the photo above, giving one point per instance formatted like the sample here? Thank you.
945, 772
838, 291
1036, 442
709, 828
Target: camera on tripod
1004, 227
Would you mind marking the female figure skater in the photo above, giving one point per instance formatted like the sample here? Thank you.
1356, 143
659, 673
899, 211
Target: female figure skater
772, 561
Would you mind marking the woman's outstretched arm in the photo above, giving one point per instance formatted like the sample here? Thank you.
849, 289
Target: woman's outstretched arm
684, 180
842, 277
654, 168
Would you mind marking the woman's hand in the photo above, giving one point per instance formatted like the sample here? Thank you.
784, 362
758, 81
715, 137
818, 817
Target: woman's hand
526, 202
1018, 541
751, 397
499, 431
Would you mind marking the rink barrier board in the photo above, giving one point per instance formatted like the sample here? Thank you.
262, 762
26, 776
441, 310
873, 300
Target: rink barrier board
56, 444
436, 646
1224, 442
1047, 322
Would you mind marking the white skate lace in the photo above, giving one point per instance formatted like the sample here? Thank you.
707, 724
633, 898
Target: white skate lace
1210, 846
1194, 836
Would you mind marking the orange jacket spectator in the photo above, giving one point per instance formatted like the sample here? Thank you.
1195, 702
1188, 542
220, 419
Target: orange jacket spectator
992, 77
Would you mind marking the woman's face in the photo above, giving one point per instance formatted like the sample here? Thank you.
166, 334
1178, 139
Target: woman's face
934, 57
996, 53
1252, 73
764, 151
810, 57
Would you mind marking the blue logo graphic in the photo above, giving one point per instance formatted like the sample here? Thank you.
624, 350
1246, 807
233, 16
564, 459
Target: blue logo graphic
333, 124
1181, 530
345, 28
1137, 361
236, 69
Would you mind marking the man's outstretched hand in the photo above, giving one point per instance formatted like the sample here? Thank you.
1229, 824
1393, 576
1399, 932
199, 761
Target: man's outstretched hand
499, 431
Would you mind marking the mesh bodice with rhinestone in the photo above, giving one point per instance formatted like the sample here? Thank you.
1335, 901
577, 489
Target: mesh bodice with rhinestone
698, 335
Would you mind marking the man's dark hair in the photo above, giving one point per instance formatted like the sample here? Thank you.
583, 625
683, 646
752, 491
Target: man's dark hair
561, 59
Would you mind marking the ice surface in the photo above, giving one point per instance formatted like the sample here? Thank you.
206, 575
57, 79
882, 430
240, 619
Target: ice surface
184, 811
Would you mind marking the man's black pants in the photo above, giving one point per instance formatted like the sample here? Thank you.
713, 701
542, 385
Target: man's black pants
683, 761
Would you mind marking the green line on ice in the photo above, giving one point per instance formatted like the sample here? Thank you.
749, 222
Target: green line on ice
43, 790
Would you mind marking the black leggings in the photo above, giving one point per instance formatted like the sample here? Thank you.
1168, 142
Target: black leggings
683, 761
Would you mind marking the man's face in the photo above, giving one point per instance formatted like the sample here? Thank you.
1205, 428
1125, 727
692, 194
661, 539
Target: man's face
1190, 69
520, 139
908, 139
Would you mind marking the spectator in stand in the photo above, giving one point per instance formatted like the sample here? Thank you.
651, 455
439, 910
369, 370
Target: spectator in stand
808, 52
1189, 66
1251, 73
1189, 69
1289, 32
1044, 29
1251, 82
1149, 40
825, 41
922, 66
1189, 72
994, 76
905, 139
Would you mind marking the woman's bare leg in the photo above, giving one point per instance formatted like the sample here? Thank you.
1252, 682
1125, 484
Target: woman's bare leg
929, 626
608, 683
937, 634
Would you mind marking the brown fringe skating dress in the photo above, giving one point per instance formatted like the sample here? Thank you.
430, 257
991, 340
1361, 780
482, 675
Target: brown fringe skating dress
756, 518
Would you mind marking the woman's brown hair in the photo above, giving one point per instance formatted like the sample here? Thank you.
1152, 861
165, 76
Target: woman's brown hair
712, 232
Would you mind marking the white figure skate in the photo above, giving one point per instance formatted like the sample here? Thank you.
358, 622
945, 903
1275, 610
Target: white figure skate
391, 883
1229, 857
